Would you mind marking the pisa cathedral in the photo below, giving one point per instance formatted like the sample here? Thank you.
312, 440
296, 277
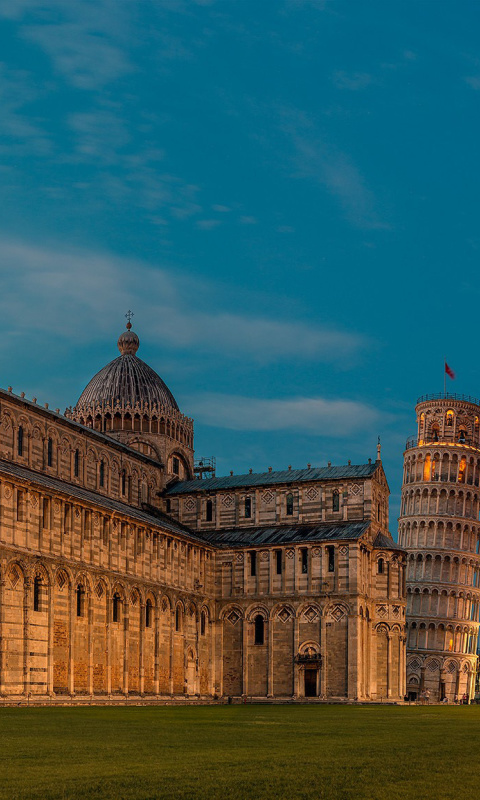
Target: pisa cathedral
128, 569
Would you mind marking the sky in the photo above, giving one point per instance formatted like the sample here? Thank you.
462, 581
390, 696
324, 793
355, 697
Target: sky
285, 193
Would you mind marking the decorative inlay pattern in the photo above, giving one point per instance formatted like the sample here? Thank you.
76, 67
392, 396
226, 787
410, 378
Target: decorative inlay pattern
311, 614
189, 504
338, 612
267, 497
227, 500
14, 576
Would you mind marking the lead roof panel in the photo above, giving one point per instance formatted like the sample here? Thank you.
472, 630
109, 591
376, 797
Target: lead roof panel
272, 478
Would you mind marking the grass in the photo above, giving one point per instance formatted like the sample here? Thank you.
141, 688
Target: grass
238, 752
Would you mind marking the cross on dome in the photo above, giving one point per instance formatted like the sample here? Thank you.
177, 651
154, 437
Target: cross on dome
129, 316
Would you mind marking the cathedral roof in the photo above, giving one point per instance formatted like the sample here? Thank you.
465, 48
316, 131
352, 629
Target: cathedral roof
286, 534
150, 516
127, 381
270, 478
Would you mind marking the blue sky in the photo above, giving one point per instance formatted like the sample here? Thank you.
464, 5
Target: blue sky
286, 194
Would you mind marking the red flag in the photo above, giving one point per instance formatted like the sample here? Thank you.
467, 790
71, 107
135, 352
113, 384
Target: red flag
449, 371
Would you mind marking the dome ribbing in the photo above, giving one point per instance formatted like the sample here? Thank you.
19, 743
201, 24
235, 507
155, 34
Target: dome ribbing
127, 381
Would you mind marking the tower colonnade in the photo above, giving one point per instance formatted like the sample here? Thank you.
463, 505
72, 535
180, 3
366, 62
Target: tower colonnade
438, 526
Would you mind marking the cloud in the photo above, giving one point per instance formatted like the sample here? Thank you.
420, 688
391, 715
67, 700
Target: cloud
18, 128
352, 80
473, 81
85, 58
303, 414
315, 159
84, 294
207, 224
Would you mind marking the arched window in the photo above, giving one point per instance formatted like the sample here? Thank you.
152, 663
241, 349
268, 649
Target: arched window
178, 619
203, 623
427, 468
50, 452
124, 481
20, 505
105, 531
80, 592
209, 511
116, 607
435, 432
148, 613
259, 629
380, 566
449, 418
46, 512
102, 474
20, 441
289, 505
462, 436
76, 464
335, 501
461, 470
248, 508
37, 591
331, 557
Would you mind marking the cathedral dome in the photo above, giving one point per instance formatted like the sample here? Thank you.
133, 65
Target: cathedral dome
127, 382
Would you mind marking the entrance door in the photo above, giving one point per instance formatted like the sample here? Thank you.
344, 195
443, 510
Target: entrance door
310, 683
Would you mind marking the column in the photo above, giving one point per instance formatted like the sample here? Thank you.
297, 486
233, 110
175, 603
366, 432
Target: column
141, 665
71, 642
352, 656
26, 636
389, 665
50, 641
296, 673
216, 629
322, 689
270, 655
244, 656
156, 674
109, 644
3, 644
125, 646
170, 666
89, 600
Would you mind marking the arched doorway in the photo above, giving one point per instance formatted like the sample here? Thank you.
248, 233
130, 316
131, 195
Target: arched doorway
309, 663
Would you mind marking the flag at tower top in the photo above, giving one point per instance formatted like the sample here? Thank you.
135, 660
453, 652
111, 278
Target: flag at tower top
449, 371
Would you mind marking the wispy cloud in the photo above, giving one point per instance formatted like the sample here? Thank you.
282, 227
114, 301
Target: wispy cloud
354, 81
72, 294
473, 81
304, 414
318, 160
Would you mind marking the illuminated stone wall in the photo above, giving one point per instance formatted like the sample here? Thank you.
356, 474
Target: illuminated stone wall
439, 528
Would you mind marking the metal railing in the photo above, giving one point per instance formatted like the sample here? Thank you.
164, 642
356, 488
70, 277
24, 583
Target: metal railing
466, 398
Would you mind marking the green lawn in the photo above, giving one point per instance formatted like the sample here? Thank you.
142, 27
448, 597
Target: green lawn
240, 752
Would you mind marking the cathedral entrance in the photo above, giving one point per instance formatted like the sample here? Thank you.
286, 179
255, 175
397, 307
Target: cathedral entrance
311, 682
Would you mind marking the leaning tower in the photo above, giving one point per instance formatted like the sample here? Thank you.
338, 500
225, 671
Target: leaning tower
439, 528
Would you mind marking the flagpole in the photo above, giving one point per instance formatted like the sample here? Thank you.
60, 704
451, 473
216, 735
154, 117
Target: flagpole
444, 377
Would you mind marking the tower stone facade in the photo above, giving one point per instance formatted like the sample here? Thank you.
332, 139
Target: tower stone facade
439, 528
